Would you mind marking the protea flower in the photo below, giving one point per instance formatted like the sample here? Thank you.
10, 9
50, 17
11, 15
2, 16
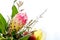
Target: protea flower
18, 22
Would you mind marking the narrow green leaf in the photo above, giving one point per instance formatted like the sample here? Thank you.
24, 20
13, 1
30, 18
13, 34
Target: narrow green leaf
3, 38
21, 32
2, 29
14, 11
3, 24
25, 37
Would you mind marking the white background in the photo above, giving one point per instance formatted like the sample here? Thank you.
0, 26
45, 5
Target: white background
50, 23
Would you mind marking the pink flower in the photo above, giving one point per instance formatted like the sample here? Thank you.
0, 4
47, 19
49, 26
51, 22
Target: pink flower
21, 17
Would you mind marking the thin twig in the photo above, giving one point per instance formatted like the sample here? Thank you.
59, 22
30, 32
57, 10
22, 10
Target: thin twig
8, 19
31, 22
42, 13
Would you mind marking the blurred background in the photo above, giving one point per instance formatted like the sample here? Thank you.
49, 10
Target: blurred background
50, 23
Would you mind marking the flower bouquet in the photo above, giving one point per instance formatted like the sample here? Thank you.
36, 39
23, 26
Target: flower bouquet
17, 27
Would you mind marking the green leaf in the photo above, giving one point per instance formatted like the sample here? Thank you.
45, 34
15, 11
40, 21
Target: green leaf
3, 38
14, 11
25, 37
21, 32
3, 24
1, 35
2, 29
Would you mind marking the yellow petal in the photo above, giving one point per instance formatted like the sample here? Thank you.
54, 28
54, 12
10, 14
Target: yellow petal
38, 34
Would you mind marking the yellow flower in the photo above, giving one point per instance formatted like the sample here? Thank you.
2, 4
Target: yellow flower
39, 35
